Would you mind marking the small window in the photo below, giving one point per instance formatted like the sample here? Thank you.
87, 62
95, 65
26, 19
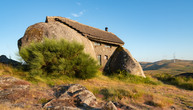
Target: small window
108, 46
106, 57
97, 43
99, 59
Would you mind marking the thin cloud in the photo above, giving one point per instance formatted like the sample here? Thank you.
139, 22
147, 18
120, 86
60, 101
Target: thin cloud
75, 15
78, 14
78, 3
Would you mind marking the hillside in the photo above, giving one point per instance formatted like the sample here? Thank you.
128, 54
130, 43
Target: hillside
127, 94
168, 66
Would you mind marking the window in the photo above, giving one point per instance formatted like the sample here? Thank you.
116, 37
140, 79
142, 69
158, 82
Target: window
106, 57
108, 46
97, 43
99, 59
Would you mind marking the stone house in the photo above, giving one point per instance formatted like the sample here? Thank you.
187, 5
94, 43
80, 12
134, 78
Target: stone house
104, 42
102, 45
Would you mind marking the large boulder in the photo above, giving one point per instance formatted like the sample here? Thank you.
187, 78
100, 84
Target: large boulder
54, 30
73, 97
123, 60
76, 97
109, 106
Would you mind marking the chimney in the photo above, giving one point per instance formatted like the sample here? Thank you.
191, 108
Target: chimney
106, 29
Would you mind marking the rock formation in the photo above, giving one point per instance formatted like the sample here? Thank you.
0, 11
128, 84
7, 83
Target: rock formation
109, 106
54, 30
121, 59
15, 92
75, 97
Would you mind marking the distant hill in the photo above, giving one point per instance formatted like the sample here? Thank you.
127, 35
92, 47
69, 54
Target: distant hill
5, 60
168, 66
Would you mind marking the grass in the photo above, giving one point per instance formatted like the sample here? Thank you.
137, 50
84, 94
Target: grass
115, 94
129, 78
131, 90
179, 81
4, 107
131, 96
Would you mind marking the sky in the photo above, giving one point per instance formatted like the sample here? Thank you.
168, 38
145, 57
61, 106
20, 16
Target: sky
151, 29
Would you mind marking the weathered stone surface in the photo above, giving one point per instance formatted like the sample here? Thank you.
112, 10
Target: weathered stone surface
71, 96
13, 83
109, 106
123, 60
55, 30
18, 93
121, 106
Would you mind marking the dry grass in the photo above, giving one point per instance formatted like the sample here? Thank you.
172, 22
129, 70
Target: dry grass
5, 69
105, 88
4, 107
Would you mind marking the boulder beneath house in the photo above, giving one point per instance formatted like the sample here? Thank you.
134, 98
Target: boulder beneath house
123, 60
54, 30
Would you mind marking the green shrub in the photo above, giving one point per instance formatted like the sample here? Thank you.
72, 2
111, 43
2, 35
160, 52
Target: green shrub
57, 58
179, 81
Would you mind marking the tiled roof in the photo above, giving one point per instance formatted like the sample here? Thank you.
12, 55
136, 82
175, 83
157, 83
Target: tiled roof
91, 32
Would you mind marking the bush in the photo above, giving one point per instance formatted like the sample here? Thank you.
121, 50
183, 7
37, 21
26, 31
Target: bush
179, 81
57, 58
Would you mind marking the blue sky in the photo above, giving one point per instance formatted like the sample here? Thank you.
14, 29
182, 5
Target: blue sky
151, 29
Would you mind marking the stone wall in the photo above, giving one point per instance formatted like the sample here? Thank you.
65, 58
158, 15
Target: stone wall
103, 50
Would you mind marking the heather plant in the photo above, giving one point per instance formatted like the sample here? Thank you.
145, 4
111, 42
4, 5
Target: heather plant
179, 81
57, 58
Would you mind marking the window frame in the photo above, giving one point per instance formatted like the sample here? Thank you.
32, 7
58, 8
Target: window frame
106, 57
97, 43
108, 46
99, 59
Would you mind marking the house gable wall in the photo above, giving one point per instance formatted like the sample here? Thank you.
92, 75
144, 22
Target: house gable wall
103, 50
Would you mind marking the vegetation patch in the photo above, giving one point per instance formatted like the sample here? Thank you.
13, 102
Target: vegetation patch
58, 58
104, 88
116, 94
127, 77
179, 81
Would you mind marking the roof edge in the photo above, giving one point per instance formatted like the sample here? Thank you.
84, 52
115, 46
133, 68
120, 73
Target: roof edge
64, 20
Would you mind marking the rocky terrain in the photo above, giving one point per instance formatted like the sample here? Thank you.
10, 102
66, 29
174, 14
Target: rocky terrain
100, 93
19, 93
16, 93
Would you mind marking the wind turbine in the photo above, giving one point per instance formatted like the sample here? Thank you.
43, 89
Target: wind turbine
174, 58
